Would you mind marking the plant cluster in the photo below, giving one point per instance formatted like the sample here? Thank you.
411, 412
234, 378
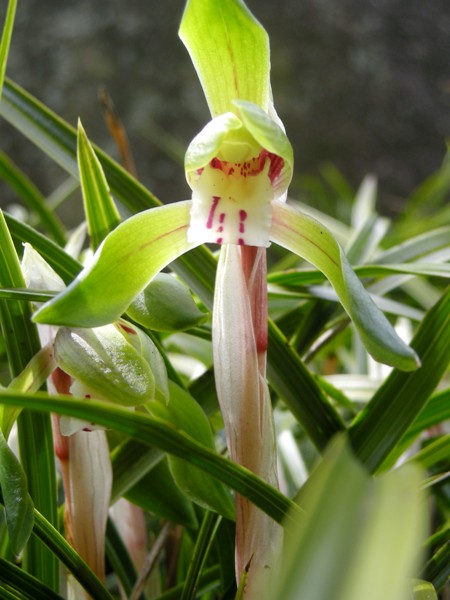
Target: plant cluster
265, 416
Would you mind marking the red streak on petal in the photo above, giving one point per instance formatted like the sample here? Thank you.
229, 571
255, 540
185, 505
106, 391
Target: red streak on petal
241, 242
212, 210
242, 215
127, 329
62, 381
221, 217
219, 240
220, 229
241, 227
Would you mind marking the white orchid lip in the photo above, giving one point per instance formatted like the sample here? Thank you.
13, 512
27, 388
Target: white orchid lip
231, 201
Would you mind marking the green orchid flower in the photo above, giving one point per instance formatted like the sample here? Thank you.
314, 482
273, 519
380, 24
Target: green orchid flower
239, 168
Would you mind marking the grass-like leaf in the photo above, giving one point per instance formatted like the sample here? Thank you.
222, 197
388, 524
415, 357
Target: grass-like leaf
35, 435
167, 438
400, 399
6, 39
32, 197
101, 212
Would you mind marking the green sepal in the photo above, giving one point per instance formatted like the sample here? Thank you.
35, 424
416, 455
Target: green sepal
230, 51
15, 497
183, 411
129, 257
166, 304
106, 363
310, 240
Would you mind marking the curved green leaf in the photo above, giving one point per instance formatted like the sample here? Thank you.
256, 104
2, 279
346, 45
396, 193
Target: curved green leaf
122, 266
22, 582
306, 237
230, 51
166, 437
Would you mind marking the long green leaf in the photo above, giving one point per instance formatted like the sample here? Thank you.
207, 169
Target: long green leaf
6, 39
101, 213
163, 436
32, 197
397, 403
293, 279
35, 435
18, 579
60, 548
202, 547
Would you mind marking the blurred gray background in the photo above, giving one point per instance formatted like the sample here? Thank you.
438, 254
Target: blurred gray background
361, 84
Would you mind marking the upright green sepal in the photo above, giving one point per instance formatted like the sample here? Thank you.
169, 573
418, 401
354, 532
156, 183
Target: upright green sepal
230, 51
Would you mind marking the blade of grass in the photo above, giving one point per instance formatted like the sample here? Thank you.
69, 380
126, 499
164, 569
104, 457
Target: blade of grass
6, 39
49, 535
32, 197
202, 547
165, 437
35, 435
17, 578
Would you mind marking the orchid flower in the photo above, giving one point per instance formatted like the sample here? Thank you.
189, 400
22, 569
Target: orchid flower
239, 168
